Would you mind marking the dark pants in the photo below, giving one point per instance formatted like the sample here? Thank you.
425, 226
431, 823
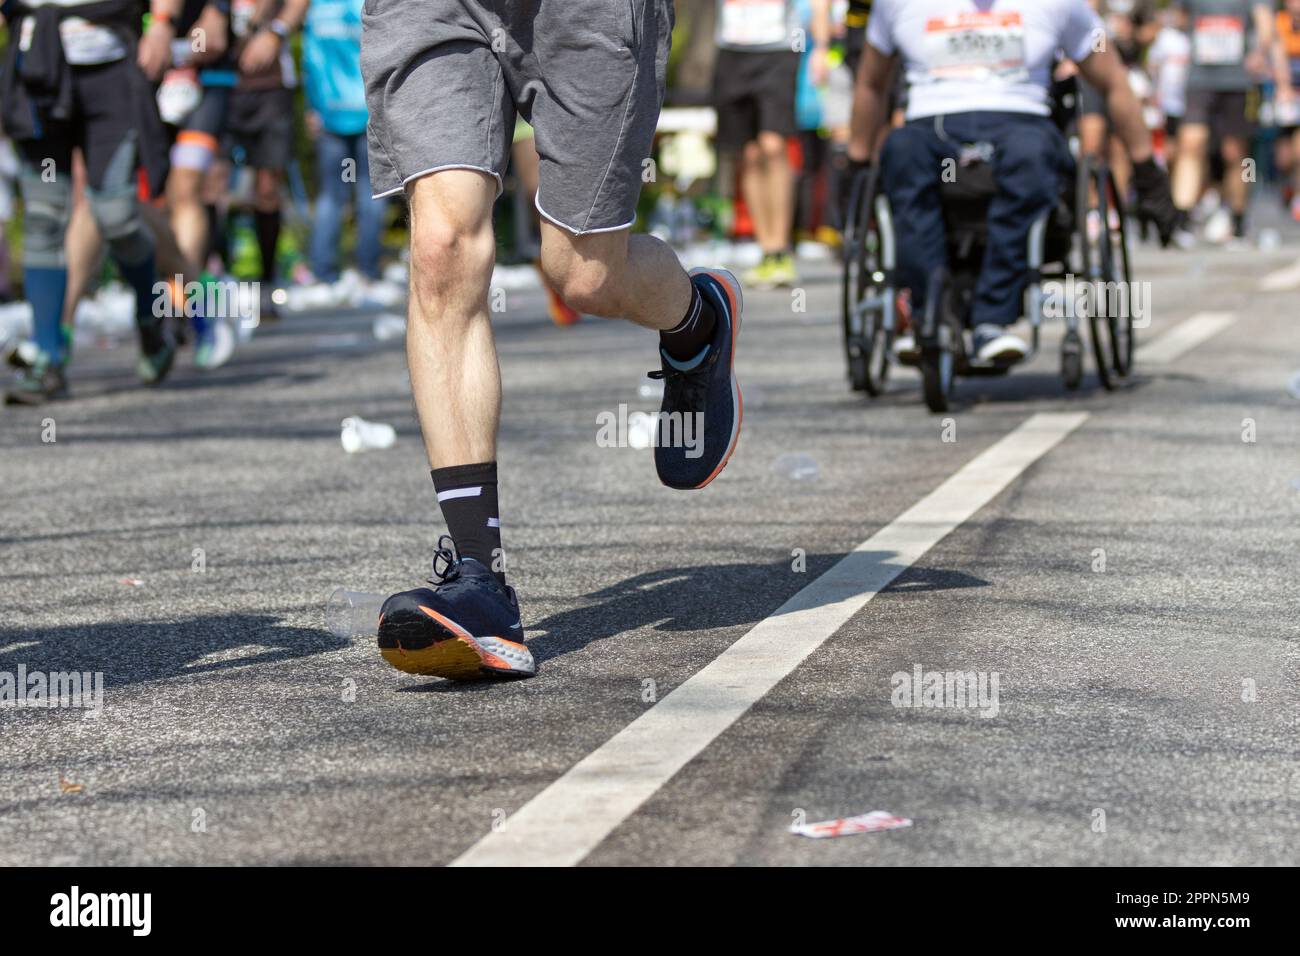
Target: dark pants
1029, 161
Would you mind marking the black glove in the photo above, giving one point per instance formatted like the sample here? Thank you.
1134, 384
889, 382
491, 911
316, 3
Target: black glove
1155, 203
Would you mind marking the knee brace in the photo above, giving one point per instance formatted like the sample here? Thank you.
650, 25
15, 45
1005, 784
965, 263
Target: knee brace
47, 206
117, 214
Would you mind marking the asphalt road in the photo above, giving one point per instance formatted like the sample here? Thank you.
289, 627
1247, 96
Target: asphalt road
235, 729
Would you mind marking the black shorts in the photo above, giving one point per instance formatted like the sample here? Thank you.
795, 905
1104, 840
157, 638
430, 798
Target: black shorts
754, 93
1171, 126
855, 41
1091, 102
1224, 111
104, 126
259, 123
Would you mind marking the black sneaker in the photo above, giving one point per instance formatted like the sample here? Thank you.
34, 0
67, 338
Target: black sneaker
157, 352
465, 628
699, 422
37, 383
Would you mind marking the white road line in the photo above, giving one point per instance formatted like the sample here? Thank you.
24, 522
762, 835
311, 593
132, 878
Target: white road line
568, 819
1283, 280
1184, 337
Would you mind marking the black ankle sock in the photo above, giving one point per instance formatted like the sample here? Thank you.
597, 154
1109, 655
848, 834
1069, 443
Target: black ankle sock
1239, 225
268, 237
696, 330
467, 495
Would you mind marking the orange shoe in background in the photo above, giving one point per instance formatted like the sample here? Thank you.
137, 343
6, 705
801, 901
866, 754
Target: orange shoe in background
560, 311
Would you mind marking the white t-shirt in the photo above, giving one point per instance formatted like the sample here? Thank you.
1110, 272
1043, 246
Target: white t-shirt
84, 43
757, 25
1169, 59
965, 56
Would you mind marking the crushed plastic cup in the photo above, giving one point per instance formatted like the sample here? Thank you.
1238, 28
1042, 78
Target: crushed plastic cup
873, 822
351, 614
361, 435
796, 466
388, 327
651, 388
1293, 386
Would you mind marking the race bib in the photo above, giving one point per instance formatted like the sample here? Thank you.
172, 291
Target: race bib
179, 95
976, 46
88, 44
753, 23
1219, 41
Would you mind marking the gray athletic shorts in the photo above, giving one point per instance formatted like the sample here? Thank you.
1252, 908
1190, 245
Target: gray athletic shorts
444, 79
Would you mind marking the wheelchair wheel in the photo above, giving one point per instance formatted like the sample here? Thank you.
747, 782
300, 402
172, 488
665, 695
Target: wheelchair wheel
1072, 361
1105, 263
941, 344
1122, 338
864, 293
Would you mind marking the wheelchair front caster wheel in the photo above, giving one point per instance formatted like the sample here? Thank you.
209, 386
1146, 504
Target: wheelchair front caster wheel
1072, 361
937, 368
860, 371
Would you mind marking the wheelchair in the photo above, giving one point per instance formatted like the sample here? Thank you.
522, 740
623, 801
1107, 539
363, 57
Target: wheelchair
1083, 236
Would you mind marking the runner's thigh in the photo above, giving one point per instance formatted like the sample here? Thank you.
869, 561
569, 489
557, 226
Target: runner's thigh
435, 89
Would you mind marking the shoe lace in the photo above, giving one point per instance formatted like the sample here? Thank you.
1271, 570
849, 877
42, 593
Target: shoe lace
450, 567
686, 389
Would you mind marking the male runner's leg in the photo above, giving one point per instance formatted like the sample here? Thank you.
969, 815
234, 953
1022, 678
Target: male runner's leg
442, 105
192, 156
47, 201
112, 147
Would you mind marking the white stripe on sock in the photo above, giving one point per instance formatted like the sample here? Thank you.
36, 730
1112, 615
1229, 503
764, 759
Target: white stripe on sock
460, 493
691, 317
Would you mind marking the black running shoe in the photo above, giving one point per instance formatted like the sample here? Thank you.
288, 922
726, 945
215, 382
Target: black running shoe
465, 628
35, 384
699, 422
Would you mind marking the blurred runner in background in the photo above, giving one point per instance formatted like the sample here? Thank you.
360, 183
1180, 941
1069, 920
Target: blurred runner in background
85, 83
760, 43
259, 123
336, 118
1232, 45
1288, 103
1168, 61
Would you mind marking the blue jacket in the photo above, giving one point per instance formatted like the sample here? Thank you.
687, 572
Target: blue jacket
331, 63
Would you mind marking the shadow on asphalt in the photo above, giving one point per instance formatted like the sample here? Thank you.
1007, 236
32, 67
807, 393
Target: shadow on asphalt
130, 653
697, 599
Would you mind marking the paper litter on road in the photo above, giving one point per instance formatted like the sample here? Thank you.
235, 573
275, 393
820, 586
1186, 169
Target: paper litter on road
871, 822
133, 582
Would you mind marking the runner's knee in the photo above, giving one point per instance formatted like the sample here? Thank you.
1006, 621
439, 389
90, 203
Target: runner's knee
449, 260
48, 206
117, 213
